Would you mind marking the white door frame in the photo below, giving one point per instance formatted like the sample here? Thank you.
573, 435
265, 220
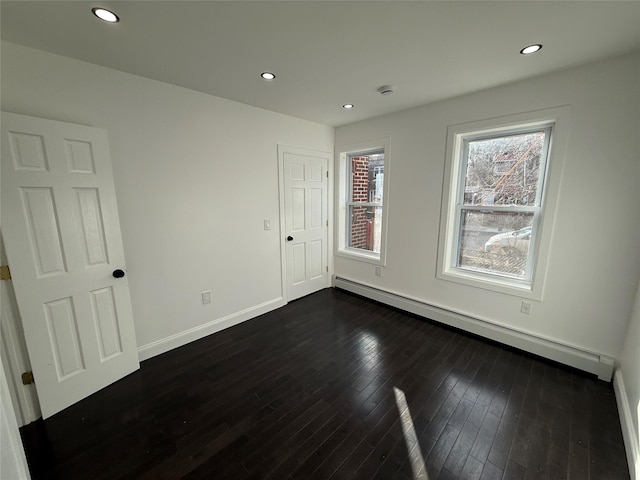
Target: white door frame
282, 150
15, 356
13, 461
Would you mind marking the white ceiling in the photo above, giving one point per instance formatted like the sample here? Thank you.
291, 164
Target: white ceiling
327, 53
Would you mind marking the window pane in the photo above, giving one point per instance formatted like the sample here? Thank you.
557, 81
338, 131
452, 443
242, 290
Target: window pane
365, 228
495, 242
367, 178
504, 170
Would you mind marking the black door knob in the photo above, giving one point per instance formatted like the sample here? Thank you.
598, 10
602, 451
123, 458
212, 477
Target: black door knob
118, 273
289, 238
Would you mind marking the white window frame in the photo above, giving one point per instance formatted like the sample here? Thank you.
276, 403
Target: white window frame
343, 182
457, 136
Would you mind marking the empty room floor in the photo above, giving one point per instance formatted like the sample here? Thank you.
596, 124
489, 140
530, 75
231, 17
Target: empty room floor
334, 386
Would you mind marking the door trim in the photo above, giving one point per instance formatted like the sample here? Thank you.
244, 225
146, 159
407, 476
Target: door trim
15, 357
282, 150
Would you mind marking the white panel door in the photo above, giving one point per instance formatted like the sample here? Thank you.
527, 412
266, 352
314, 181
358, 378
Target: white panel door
305, 199
62, 234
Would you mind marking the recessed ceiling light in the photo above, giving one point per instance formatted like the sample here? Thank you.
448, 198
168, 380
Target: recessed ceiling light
105, 15
267, 75
531, 49
348, 105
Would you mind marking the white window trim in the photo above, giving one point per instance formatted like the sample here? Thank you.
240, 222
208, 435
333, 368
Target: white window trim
342, 193
558, 117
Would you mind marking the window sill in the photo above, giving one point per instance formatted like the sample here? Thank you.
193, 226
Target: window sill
361, 255
506, 286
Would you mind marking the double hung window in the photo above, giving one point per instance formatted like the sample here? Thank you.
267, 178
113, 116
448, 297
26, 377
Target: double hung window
498, 203
362, 208
365, 201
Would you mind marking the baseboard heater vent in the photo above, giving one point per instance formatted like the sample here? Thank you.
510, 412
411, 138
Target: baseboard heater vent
594, 363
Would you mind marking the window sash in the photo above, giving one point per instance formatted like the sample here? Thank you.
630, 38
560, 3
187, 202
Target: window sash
351, 217
536, 221
463, 161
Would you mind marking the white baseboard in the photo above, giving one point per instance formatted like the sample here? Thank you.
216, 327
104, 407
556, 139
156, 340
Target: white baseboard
164, 345
591, 362
628, 428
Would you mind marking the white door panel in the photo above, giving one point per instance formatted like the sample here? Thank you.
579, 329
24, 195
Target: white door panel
306, 216
63, 240
299, 258
316, 248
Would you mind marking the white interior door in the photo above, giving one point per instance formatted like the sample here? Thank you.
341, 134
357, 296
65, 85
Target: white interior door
306, 222
62, 235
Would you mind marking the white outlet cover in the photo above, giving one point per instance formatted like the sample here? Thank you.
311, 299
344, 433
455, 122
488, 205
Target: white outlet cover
206, 297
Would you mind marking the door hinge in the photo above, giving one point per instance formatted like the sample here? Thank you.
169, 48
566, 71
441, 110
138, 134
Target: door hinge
5, 273
327, 222
327, 269
327, 173
27, 378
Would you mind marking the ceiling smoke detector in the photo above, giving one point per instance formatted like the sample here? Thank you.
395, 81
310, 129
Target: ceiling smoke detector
386, 90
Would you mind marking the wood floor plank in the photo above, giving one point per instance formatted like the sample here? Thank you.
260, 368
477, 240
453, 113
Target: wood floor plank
514, 471
334, 386
484, 440
472, 469
491, 472
461, 449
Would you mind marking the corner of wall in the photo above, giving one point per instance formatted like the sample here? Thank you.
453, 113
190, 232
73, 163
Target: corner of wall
629, 432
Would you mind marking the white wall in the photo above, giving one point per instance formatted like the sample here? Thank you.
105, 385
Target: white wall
195, 177
594, 263
627, 382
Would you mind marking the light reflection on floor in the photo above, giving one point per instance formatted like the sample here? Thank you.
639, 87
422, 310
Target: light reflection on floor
416, 460
368, 379
369, 347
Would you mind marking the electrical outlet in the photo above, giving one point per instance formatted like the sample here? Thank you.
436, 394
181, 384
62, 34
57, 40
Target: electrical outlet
206, 297
378, 271
525, 308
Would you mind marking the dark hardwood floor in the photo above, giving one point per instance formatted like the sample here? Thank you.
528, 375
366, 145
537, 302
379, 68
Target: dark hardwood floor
334, 386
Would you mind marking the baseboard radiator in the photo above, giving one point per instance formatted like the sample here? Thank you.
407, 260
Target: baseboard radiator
590, 362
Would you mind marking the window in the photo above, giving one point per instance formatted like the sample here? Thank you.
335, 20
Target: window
497, 212
498, 209
365, 200
361, 202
